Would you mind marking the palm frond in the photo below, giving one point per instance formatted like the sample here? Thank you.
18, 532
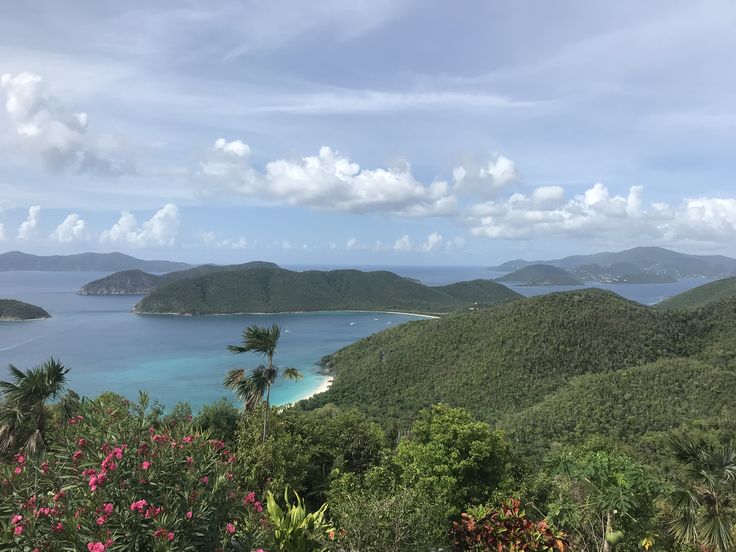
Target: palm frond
292, 374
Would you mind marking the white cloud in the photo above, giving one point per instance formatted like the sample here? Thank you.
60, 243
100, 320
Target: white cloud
2, 231
48, 130
597, 212
487, 179
28, 227
236, 147
403, 243
160, 230
210, 239
328, 181
72, 229
434, 242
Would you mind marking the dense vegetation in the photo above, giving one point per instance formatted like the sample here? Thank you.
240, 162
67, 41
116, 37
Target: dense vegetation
84, 262
541, 275
11, 309
498, 360
137, 282
701, 295
279, 290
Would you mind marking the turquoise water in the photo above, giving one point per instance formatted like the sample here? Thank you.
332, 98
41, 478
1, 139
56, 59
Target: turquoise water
173, 358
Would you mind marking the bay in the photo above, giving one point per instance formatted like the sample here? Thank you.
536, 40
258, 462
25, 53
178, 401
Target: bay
173, 358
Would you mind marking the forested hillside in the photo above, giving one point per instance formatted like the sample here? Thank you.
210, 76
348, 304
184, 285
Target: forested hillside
701, 295
502, 359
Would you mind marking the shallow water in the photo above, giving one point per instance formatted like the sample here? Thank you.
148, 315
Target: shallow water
173, 358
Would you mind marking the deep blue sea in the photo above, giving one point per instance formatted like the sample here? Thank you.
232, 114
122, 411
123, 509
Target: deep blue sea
184, 358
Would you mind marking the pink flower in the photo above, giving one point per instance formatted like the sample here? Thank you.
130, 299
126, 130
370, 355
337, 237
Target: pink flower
82, 442
146, 464
170, 536
96, 547
108, 508
230, 528
16, 519
189, 514
250, 498
18, 470
20, 459
58, 528
77, 455
138, 505
45, 467
188, 439
101, 520
204, 480
190, 460
18, 530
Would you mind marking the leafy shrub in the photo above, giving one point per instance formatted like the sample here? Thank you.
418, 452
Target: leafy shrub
505, 529
294, 529
113, 481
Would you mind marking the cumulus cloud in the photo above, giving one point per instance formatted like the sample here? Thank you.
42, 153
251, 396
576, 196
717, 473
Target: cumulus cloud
159, 231
48, 130
485, 179
71, 229
597, 212
328, 181
210, 239
434, 242
28, 227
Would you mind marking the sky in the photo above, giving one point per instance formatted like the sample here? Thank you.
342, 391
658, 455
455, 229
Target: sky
367, 132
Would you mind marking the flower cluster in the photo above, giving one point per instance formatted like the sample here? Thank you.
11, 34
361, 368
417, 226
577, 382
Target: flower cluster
105, 482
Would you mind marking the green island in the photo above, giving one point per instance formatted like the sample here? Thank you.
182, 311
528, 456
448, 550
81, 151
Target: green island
280, 290
541, 275
138, 282
574, 421
12, 310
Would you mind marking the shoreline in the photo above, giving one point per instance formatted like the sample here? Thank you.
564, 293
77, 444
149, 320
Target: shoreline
321, 388
187, 315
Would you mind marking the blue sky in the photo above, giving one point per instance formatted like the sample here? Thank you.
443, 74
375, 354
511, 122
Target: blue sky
367, 132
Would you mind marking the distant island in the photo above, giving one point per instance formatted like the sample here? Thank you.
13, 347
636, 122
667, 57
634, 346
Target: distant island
701, 296
271, 290
541, 275
640, 265
13, 311
138, 282
83, 262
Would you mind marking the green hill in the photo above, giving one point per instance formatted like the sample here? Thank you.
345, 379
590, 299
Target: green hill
701, 295
280, 290
12, 310
541, 275
506, 358
137, 282
624, 405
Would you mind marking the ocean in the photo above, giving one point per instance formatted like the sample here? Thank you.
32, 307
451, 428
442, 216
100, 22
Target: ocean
177, 358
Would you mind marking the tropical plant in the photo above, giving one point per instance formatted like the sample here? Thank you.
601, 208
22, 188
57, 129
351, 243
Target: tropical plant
252, 388
293, 529
23, 411
115, 479
613, 496
703, 507
505, 529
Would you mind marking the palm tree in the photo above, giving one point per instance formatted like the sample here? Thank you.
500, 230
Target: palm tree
23, 412
251, 389
704, 507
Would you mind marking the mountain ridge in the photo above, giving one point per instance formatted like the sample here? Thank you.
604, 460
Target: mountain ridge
84, 262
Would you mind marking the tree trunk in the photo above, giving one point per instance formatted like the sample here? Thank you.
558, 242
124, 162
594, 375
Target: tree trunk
607, 529
265, 414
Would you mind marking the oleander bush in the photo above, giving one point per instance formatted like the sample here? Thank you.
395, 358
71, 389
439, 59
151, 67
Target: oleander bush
114, 478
